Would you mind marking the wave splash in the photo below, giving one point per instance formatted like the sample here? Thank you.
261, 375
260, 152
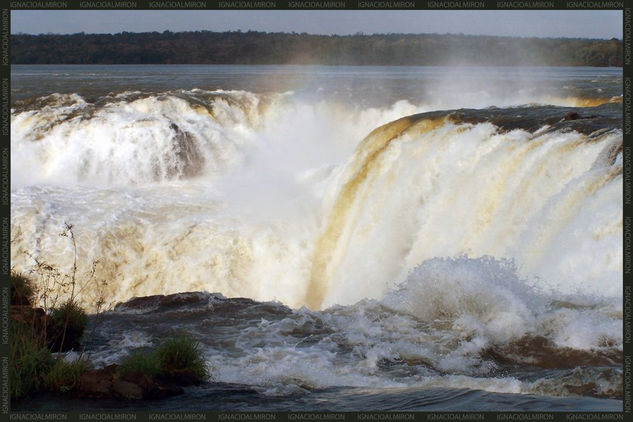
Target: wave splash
455, 323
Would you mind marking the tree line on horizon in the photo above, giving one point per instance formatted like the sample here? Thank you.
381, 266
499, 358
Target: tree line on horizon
252, 47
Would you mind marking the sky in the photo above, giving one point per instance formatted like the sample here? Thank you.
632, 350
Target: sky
530, 23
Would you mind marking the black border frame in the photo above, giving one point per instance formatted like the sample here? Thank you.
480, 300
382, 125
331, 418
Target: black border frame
5, 205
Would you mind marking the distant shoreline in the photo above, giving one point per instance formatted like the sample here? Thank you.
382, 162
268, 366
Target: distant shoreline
307, 65
263, 48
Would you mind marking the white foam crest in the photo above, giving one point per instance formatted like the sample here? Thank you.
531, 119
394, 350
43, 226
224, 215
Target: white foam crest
117, 348
584, 329
280, 370
478, 297
485, 301
139, 138
153, 138
413, 338
468, 189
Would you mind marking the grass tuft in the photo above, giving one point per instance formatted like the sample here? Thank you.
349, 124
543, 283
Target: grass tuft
65, 326
29, 360
22, 289
64, 376
182, 353
140, 363
178, 359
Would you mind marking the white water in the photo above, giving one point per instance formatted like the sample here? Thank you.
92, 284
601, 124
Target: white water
550, 202
433, 339
281, 202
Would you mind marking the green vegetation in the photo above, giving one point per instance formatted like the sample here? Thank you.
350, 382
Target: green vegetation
172, 358
64, 376
22, 290
29, 361
205, 47
182, 354
141, 362
65, 326
29, 358
34, 335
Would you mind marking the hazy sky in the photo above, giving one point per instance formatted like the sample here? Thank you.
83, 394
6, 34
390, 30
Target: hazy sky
553, 23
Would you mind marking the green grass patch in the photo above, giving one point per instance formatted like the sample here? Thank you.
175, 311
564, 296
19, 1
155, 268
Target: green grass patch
65, 326
182, 353
141, 362
178, 359
29, 360
64, 376
33, 335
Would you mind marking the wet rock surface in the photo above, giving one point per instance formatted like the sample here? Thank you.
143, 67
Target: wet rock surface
108, 383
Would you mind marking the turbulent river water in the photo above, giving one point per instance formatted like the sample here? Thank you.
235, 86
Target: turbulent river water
337, 238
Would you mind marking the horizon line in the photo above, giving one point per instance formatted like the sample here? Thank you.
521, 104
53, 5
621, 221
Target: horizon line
357, 34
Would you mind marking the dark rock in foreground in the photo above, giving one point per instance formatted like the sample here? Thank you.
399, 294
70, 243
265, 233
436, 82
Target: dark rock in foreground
108, 383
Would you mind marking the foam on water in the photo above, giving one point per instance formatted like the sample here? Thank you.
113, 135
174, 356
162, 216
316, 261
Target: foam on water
450, 325
427, 247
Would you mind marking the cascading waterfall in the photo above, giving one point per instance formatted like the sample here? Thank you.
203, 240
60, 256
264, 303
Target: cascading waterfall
342, 229
423, 188
427, 250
